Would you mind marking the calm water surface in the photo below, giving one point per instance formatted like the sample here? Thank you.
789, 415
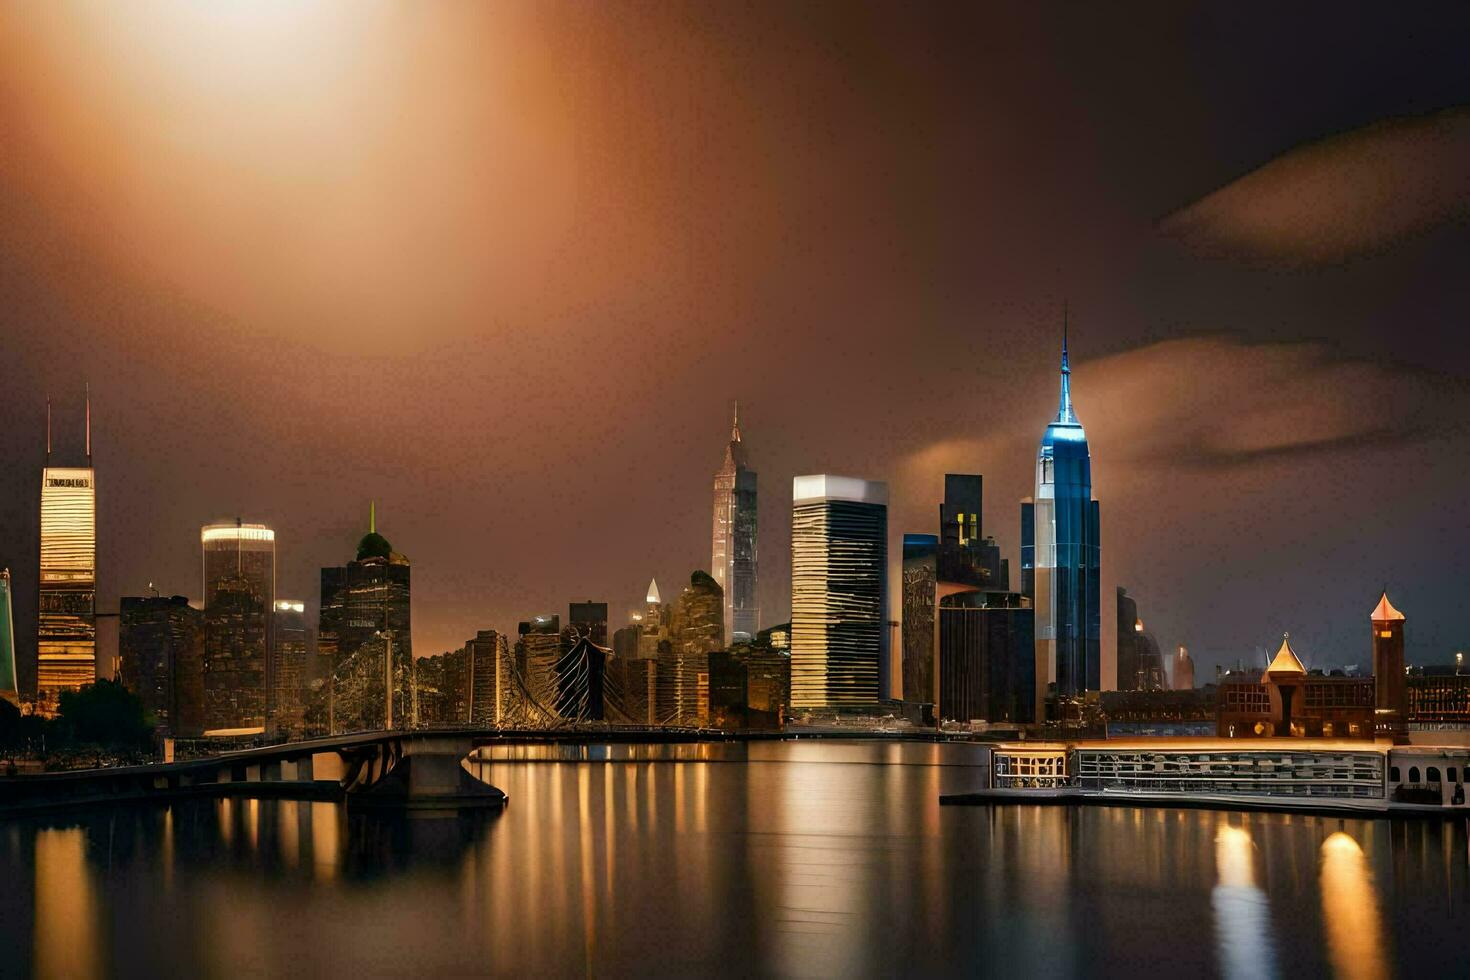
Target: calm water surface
779, 859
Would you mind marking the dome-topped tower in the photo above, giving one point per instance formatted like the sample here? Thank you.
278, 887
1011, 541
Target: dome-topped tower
373, 544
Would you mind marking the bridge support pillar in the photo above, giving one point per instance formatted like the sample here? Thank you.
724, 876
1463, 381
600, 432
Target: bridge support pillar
429, 774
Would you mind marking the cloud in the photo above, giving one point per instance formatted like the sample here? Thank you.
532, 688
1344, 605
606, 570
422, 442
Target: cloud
1347, 195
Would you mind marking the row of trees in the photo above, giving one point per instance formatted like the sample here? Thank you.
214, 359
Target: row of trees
104, 721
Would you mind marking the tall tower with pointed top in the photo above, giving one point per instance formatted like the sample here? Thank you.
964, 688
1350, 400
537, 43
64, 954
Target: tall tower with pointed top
1060, 558
66, 634
1391, 706
733, 555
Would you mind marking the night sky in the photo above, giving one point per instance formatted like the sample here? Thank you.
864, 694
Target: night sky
503, 267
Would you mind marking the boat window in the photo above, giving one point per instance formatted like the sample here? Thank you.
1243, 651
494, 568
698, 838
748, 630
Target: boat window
1433, 774
1393, 774
1413, 774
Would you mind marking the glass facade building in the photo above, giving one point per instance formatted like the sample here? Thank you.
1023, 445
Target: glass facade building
290, 654
839, 591
1060, 555
66, 635
917, 626
237, 549
235, 655
733, 556
987, 661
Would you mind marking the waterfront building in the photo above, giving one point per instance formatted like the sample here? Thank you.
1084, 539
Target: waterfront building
1289, 700
235, 549
729, 690
235, 653
966, 556
1129, 626
589, 619
733, 557
66, 628
365, 628
1391, 704
1183, 670
160, 647
489, 675
987, 658
290, 657
1060, 556
839, 591
918, 622
538, 648
9, 687
1438, 696
768, 678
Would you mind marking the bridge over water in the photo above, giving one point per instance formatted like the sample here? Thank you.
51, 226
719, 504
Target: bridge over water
418, 769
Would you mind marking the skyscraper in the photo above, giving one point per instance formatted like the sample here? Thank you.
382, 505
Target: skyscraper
839, 591
697, 629
9, 689
1060, 555
733, 559
1391, 714
234, 549
966, 556
488, 669
235, 655
290, 654
66, 633
160, 645
366, 629
537, 651
987, 658
919, 622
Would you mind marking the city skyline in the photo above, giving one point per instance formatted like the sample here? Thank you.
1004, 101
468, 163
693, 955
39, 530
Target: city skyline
1227, 342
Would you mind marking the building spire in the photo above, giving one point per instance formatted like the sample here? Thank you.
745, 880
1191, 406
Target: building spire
735, 426
372, 517
48, 430
1064, 407
87, 394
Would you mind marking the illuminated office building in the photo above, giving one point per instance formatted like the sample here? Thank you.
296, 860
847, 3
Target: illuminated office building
290, 655
696, 630
235, 655
488, 668
839, 591
160, 640
365, 627
9, 689
733, 558
538, 649
66, 633
1060, 556
238, 550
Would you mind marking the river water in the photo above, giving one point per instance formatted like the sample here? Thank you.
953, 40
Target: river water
772, 859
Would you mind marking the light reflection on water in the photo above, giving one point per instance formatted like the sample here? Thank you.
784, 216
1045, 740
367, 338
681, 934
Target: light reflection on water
780, 859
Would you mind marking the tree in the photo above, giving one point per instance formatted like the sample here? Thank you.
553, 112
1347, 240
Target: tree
107, 714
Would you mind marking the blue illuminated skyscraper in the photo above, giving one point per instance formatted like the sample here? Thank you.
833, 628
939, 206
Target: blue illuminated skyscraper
1059, 555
